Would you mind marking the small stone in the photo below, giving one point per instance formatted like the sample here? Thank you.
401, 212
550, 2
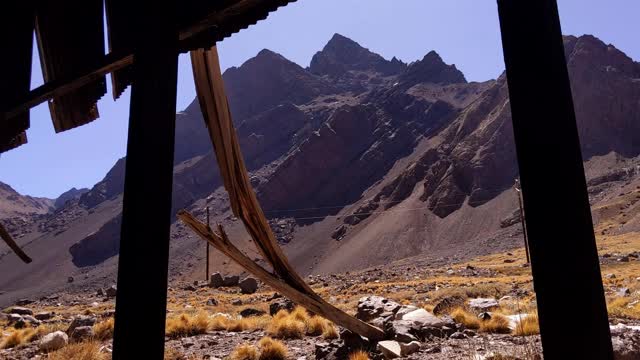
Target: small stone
20, 311
623, 292
484, 316
410, 348
248, 285
23, 302
82, 332
458, 335
389, 349
212, 302
610, 276
53, 341
100, 292
112, 291
248, 312
281, 304
236, 302
70, 279
216, 280
231, 280
80, 321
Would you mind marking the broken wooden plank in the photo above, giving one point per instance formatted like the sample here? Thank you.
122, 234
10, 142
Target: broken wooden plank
4, 234
310, 301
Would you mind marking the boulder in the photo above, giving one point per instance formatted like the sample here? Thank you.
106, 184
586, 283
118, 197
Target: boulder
236, 302
248, 285
82, 332
281, 304
100, 292
423, 318
623, 292
111, 291
20, 311
216, 280
80, 321
405, 309
212, 302
372, 307
53, 341
231, 280
447, 304
390, 349
248, 312
483, 304
401, 330
23, 302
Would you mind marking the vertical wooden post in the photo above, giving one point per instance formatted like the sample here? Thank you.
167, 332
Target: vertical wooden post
206, 275
517, 188
564, 257
146, 215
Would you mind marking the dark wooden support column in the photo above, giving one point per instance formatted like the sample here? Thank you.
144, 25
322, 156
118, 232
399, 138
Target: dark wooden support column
146, 217
564, 256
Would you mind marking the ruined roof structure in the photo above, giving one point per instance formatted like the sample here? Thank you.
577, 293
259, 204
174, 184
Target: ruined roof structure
144, 41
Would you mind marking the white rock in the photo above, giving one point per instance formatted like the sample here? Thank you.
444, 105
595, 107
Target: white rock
483, 304
515, 319
405, 309
54, 341
423, 317
390, 349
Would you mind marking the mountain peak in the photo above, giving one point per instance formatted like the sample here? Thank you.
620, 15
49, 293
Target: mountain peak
432, 69
342, 54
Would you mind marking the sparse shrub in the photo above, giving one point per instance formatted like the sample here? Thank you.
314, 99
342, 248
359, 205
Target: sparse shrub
173, 354
300, 314
315, 325
244, 352
104, 330
461, 316
286, 327
18, 337
271, 349
498, 324
187, 325
330, 332
528, 326
79, 351
218, 323
359, 355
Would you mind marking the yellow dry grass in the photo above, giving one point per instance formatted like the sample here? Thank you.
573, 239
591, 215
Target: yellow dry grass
18, 337
469, 320
104, 329
528, 326
498, 324
359, 355
79, 351
187, 325
244, 352
271, 349
286, 327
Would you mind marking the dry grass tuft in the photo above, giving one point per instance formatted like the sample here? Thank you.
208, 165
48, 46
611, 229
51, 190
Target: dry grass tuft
621, 307
359, 355
104, 330
330, 332
79, 351
469, 320
286, 327
271, 349
219, 323
528, 326
187, 325
244, 352
498, 324
18, 337
300, 314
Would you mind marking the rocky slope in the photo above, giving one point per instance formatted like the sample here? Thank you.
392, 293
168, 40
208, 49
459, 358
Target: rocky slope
357, 161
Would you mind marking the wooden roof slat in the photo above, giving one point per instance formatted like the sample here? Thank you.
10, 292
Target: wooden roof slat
70, 38
17, 36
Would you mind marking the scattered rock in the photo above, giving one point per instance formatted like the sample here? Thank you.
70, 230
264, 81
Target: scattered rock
448, 303
23, 302
70, 279
216, 280
80, 321
610, 276
483, 304
111, 291
82, 332
389, 349
248, 312
405, 309
281, 304
100, 292
212, 302
248, 285
484, 316
371, 307
53, 341
410, 348
20, 311
623, 292
458, 335
231, 280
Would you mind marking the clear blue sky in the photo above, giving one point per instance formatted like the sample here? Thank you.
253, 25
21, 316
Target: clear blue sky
463, 32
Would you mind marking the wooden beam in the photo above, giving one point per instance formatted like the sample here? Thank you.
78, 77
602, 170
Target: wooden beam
564, 256
146, 215
313, 303
6, 237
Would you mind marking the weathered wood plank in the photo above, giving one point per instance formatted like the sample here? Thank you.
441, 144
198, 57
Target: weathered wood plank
4, 234
314, 303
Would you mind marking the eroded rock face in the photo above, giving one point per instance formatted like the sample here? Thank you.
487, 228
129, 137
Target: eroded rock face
98, 246
371, 307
